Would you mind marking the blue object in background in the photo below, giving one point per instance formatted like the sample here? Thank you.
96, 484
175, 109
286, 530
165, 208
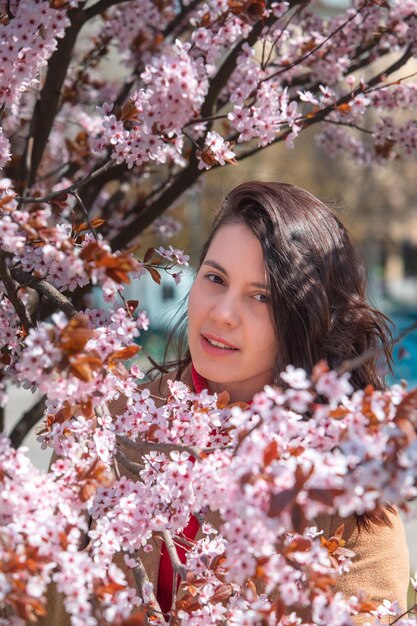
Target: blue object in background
405, 353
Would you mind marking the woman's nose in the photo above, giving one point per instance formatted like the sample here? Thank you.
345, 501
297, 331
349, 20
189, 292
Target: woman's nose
226, 310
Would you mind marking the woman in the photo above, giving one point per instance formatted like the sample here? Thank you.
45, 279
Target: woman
280, 283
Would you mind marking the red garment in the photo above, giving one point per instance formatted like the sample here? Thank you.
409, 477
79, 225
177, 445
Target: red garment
166, 572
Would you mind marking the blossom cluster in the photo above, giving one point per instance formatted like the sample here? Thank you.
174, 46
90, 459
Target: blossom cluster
267, 472
302, 68
27, 41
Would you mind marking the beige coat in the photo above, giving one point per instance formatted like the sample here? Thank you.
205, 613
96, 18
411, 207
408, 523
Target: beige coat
380, 567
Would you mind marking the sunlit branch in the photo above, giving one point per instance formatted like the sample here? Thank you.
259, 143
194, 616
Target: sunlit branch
141, 577
41, 285
177, 566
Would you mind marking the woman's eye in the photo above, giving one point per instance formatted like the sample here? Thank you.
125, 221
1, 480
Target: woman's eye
214, 278
262, 297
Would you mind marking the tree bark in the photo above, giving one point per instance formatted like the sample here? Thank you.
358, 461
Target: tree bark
28, 420
48, 103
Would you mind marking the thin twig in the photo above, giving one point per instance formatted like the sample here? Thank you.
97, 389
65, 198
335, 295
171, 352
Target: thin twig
283, 29
350, 125
87, 217
12, 294
249, 432
71, 188
116, 468
352, 364
148, 446
314, 50
411, 609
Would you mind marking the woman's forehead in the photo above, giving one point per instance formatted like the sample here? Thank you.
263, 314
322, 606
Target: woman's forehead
235, 249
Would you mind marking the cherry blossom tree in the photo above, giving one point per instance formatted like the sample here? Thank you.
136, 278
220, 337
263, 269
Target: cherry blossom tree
88, 163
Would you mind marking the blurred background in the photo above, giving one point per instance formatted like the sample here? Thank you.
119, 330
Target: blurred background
377, 205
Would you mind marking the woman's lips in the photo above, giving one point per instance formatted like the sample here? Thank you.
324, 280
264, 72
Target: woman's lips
217, 350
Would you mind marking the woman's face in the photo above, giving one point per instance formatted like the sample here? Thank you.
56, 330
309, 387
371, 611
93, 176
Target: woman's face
230, 333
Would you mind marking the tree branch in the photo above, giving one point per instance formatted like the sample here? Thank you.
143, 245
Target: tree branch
141, 577
12, 294
323, 113
71, 188
41, 285
47, 105
303, 58
177, 566
228, 67
182, 182
133, 468
28, 420
148, 446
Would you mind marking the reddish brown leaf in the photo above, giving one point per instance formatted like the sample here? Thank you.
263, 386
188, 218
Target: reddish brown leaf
156, 276
331, 544
132, 305
325, 496
300, 477
338, 413
138, 619
339, 533
109, 588
298, 518
407, 409
223, 399
205, 20
279, 501
384, 150
300, 544
270, 453
344, 107
129, 112
252, 8
87, 491
192, 590
148, 255
4, 201
76, 334
322, 581
84, 366
251, 586
318, 370
124, 353
222, 593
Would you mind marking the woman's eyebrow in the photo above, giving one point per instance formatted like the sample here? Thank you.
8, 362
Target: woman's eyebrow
217, 266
